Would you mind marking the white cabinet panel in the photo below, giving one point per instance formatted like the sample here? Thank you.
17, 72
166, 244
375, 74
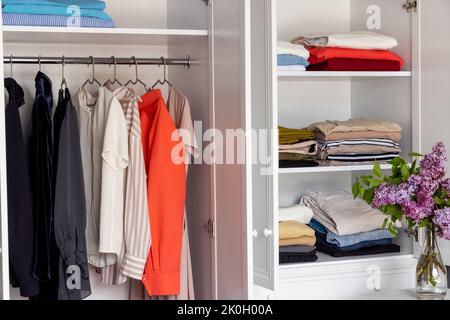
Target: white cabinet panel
264, 155
231, 189
435, 79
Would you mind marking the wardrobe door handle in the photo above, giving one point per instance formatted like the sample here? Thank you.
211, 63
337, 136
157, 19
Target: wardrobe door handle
268, 232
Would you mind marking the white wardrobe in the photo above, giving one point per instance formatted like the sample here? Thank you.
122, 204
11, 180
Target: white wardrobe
233, 84
417, 98
211, 34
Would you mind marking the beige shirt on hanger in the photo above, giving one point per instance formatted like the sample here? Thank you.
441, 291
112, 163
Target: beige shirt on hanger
93, 111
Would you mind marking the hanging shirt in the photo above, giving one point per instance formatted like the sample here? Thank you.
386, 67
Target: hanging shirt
180, 112
166, 184
93, 113
41, 176
69, 203
114, 164
20, 213
137, 237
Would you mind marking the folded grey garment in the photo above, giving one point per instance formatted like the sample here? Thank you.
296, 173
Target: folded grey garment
297, 249
311, 41
341, 214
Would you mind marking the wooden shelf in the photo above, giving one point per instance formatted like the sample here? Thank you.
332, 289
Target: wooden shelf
324, 169
343, 74
99, 36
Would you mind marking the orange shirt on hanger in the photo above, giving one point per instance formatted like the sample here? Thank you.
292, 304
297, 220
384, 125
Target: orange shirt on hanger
166, 183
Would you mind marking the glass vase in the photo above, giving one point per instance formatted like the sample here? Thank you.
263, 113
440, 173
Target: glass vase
431, 273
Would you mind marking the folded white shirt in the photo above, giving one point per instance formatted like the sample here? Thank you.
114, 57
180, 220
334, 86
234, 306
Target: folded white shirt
295, 213
362, 40
293, 49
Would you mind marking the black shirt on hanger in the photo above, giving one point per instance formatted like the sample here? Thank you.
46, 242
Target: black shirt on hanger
69, 203
20, 213
46, 252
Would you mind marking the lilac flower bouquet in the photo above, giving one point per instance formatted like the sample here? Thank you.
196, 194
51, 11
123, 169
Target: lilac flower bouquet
420, 193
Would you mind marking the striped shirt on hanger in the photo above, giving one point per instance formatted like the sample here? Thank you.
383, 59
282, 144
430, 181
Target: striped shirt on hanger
137, 237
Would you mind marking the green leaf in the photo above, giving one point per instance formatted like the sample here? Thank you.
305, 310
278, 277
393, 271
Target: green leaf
369, 195
411, 224
377, 170
405, 173
355, 189
395, 211
415, 154
424, 223
362, 191
375, 183
385, 222
413, 167
392, 229
364, 179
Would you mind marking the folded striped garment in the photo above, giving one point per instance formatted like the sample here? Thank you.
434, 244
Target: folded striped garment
362, 157
34, 20
85, 4
350, 148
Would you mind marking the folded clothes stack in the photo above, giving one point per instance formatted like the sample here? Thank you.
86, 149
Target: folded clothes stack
347, 227
292, 57
357, 141
297, 240
297, 148
56, 13
352, 51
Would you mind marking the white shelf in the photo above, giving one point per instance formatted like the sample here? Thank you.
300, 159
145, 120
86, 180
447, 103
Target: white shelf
324, 169
344, 74
100, 36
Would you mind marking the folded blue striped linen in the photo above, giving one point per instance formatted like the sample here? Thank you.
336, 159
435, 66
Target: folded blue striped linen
55, 10
358, 246
291, 60
35, 20
85, 4
354, 239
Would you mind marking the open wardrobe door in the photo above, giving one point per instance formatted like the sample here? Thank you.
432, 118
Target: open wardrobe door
264, 119
229, 29
4, 266
434, 84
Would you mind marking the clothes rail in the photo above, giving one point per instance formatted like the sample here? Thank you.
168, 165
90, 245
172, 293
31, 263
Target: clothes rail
98, 60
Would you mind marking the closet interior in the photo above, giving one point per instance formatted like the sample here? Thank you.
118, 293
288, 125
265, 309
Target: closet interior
302, 98
152, 41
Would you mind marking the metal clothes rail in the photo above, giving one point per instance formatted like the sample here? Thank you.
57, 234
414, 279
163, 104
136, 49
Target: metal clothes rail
97, 60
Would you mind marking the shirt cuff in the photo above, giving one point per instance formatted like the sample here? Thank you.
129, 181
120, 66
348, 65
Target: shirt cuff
133, 267
29, 288
162, 283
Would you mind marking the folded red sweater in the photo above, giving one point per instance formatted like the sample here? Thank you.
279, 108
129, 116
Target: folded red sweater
338, 64
321, 54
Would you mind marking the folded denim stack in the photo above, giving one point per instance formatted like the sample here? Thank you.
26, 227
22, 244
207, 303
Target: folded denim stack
352, 51
297, 240
357, 141
56, 13
292, 57
297, 148
347, 227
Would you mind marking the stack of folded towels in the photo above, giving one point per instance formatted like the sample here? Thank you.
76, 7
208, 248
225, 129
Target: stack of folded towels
56, 13
297, 240
347, 227
352, 51
357, 141
292, 57
297, 148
